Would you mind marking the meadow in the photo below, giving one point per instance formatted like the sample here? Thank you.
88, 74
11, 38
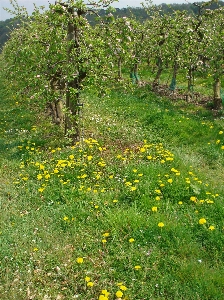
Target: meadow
132, 211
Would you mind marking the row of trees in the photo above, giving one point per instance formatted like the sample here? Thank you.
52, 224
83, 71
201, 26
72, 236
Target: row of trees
55, 54
139, 13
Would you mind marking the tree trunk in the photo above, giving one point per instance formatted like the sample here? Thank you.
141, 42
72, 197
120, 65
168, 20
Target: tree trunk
119, 64
217, 93
56, 111
159, 71
174, 77
73, 85
190, 84
56, 105
134, 74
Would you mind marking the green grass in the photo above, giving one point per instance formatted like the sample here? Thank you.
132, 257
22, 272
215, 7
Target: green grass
143, 161
203, 81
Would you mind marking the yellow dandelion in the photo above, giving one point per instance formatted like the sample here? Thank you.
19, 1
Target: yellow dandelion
119, 294
39, 176
106, 234
137, 267
202, 221
131, 240
47, 176
79, 260
211, 227
161, 224
90, 284
102, 297
154, 208
193, 198
123, 287
105, 293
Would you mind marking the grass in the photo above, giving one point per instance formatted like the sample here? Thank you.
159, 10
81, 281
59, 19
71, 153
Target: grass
133, 211
203, 81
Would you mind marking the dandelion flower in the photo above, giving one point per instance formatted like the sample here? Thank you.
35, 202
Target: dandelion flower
138, 267
106, 234
39, 176
160, 224
87, 278
123, 287
131, 240
102, 297
119, 294
105, 293
202, 221
79, 260
211, 227
154, 208
158, 191
90, 284
193, 198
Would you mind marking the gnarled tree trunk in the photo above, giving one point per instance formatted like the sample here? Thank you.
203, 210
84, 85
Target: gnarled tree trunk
217, 93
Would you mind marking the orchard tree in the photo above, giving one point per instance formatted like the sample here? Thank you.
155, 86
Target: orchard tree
215, 52
157, 31
53, 55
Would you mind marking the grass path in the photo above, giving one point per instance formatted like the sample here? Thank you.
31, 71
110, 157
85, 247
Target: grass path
133, 212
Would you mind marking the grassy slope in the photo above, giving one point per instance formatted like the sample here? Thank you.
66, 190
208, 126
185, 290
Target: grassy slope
145, 161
